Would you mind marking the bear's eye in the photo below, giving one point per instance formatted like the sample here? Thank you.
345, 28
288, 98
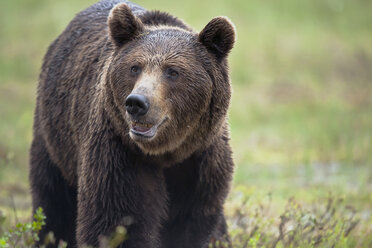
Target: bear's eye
135, 70
171, 73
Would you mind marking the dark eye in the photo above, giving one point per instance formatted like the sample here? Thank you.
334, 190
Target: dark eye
171, 73
135, 70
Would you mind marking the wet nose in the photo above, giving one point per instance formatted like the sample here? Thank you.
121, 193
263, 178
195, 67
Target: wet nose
137, 105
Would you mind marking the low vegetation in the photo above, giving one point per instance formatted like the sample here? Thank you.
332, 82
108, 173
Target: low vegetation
326, 223
22, 234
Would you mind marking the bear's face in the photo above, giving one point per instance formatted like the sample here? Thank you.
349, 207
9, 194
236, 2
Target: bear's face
169, 84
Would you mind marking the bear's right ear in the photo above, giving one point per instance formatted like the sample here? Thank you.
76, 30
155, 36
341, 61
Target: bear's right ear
123, 25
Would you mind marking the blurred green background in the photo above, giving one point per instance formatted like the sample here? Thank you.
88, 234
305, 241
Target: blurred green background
301, 112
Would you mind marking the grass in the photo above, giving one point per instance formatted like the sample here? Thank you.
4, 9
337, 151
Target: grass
301, 113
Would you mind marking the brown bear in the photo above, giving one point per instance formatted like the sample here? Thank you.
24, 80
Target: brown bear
131, 129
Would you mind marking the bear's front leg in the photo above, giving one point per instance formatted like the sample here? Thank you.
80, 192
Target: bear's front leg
117, 189
197, 190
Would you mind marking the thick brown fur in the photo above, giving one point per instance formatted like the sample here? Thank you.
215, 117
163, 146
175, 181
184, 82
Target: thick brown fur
90, 172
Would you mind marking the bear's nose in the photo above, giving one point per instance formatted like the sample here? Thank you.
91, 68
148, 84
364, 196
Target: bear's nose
137, 105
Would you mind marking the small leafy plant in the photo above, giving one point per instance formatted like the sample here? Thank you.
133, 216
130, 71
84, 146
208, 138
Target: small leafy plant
23, 234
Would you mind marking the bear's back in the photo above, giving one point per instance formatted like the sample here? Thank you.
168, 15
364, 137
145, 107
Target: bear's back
81, 43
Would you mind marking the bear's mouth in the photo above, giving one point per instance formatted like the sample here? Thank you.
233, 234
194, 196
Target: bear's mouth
145, 130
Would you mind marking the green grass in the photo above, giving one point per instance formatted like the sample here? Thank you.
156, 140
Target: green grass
301, 113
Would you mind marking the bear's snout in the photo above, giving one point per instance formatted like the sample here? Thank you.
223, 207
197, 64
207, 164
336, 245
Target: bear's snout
137, 105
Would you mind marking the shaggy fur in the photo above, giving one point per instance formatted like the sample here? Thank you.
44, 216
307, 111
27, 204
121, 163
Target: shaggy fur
90, 172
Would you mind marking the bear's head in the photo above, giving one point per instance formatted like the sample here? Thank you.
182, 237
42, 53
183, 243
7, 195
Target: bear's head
169, 87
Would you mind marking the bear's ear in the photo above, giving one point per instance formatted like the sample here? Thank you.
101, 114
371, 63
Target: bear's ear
123, 25
218, 36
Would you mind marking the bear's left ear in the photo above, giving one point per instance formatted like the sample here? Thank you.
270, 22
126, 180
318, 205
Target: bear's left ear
218, 36
123, 25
